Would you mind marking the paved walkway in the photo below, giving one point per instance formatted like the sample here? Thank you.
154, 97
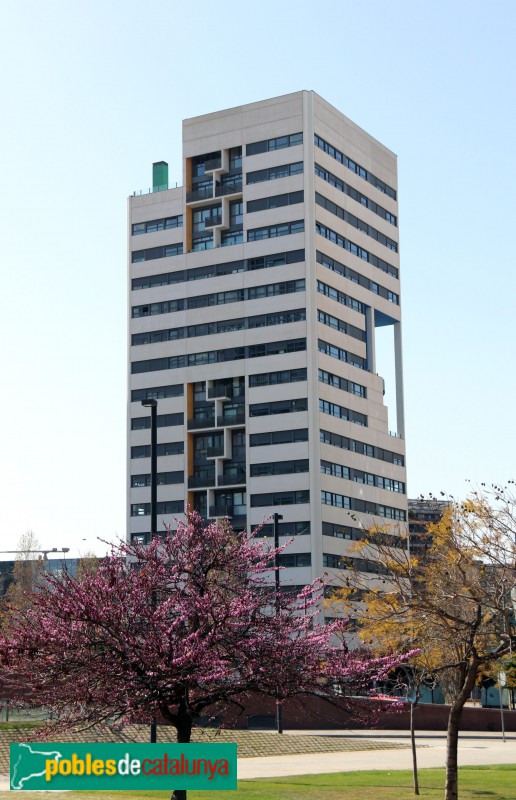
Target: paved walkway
362, 750
474, 749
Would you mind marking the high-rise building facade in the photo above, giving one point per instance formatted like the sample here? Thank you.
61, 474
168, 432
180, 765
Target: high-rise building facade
255, 292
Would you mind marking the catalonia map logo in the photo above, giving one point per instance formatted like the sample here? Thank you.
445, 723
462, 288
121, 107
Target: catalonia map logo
54, 766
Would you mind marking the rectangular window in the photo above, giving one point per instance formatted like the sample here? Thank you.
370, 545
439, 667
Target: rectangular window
273, 231
278, 437
276, 201
278, 407
280, 498
273, 173
281, 376
154, 225
151, 253
268, 145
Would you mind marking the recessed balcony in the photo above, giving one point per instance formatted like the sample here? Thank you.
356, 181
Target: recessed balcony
221, 511
215, 452
212, 164
231, 480
213, 222
232, 188
205, 193
231, 420
197, 424
195, 482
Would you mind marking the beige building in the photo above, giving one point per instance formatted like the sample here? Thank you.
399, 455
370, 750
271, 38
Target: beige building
255, 291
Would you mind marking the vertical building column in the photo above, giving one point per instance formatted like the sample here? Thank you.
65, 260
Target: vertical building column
370, 340
398, 361
312, 350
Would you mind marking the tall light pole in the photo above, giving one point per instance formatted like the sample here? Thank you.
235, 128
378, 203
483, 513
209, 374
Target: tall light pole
276, 518
153, 405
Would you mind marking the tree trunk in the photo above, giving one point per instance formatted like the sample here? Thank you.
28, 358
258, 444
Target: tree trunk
413, 745
184, 733
452, 741
452, 734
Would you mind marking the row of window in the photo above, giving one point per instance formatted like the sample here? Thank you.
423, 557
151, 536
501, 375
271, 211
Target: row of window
154, 225
278, 143
342, 355
162, 449
157, 392
163, 479
340, 297
350, 191
340, 325
219, 298
355, 250
216, 270
228, 237
358, 476
218, 356
151, 253
356, 277
273, 173
284, 529
342, 383
278, 407
355, 222
359, 564
341, 412
364, 506
343, 531
279, 468
276, 201
164, 507
280, 498
219, 326
279, 376
272, 231
354, 167
295, 560
345, 443
163, 421
278, 437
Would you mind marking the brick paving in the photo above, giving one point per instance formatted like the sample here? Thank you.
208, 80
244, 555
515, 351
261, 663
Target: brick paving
250, 743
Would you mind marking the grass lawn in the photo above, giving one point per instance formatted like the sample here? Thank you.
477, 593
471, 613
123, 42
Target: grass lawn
493, 783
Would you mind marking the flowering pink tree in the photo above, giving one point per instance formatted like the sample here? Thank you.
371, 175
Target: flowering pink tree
171, 629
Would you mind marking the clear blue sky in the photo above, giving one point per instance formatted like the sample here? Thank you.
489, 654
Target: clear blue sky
94, 92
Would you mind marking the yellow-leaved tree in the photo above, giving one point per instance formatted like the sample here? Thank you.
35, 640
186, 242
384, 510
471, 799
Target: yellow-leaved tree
453, 599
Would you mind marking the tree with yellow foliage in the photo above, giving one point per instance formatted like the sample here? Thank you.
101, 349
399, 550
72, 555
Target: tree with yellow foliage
452, 599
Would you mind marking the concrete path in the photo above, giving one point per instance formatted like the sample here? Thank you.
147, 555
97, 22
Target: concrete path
474, 749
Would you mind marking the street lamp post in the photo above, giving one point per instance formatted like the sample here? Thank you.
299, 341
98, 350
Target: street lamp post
153, 405
276, 518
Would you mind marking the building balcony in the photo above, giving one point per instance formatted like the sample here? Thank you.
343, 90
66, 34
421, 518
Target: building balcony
228, 392
199, 194
201, 483
232, 188
231, 480
220, 393
213, 222
231, 421
197, 424
212, 163
215, 452
221, 511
